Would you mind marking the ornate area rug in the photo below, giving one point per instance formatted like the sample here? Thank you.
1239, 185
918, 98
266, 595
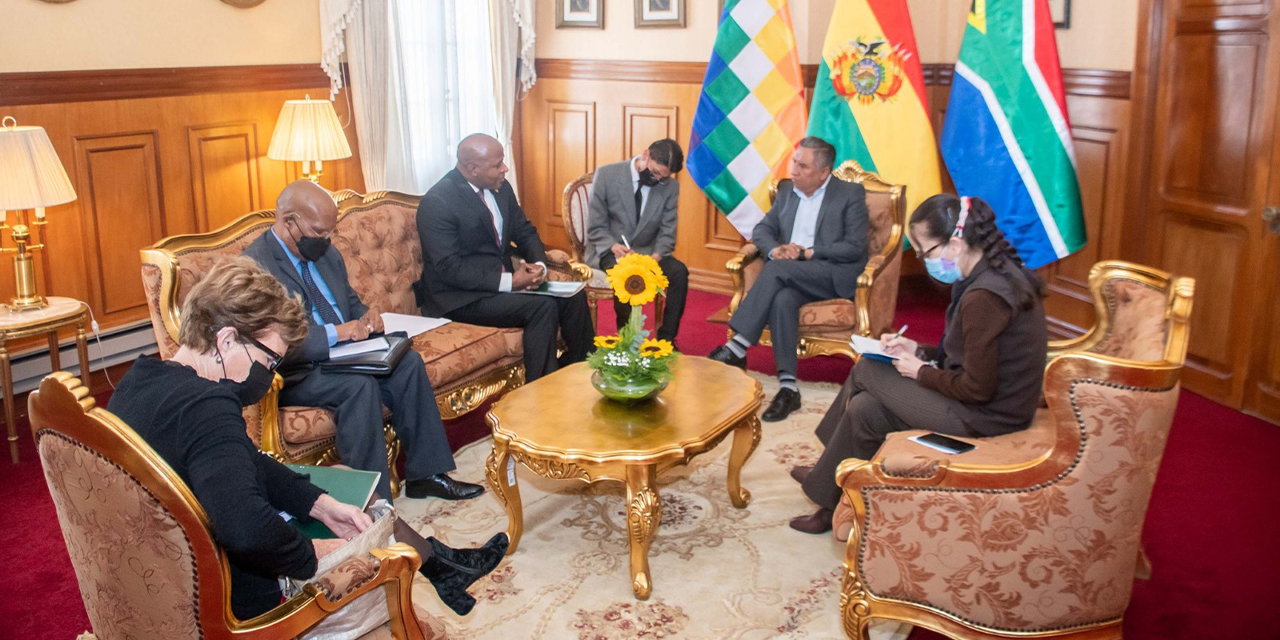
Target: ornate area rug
718, 572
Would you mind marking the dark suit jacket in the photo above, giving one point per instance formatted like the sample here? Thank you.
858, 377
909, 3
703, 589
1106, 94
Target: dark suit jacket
612, 214
461, 259
840, 239
266, 251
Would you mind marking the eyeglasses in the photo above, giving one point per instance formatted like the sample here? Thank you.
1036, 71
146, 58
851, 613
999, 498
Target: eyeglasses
274, 358
929, 253
306, 232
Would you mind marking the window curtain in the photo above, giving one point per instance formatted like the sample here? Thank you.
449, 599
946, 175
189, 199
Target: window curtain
511, 25
424, 75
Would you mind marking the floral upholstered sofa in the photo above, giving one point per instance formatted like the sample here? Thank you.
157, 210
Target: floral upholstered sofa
378, 238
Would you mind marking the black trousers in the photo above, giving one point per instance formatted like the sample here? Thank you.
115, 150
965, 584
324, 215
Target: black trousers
356, 401
542, 318
875, 401
677, 291
782, 287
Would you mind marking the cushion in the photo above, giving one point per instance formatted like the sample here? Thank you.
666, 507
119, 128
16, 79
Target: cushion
838, 313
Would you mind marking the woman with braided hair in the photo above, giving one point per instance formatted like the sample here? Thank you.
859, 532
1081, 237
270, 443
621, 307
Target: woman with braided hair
983, 379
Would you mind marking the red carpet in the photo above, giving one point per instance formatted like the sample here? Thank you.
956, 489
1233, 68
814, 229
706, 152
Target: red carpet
1210, 533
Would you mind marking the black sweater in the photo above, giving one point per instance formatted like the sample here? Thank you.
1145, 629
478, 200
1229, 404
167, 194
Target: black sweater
197, 427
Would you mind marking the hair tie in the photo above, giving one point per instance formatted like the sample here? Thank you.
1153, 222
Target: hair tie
964, 214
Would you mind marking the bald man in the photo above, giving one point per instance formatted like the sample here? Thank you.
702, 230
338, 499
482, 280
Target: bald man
478, 248
296, 250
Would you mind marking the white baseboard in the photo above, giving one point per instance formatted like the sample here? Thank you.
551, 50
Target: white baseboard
116, 345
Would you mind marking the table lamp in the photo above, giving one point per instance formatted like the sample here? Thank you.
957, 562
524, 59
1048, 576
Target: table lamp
31, 177
308, 131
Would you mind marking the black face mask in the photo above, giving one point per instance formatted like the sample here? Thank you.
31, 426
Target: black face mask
310, 248
255, 386
647, 179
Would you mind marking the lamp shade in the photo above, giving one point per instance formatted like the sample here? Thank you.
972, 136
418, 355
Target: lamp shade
31, 175
308, 130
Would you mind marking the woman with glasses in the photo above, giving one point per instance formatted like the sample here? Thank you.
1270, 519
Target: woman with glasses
983, 379
236, 324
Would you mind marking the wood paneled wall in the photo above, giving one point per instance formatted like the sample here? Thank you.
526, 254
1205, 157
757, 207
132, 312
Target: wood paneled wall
153, 153
583, 113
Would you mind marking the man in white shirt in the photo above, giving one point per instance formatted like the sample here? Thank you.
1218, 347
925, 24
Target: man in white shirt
814, 243
633, 210
478, 247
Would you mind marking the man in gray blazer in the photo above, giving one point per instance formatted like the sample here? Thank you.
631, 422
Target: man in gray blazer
296, 250
634, 203
814, 244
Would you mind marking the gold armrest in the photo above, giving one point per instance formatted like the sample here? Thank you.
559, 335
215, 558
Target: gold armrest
735, 266
561, 263
270, 438
876, 265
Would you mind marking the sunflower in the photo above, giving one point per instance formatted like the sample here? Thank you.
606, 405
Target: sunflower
607, 342
656, 348
636, 279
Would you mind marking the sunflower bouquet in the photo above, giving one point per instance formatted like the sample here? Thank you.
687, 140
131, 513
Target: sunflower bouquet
631, 366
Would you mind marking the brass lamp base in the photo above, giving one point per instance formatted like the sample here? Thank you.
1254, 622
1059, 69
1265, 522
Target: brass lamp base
24, 276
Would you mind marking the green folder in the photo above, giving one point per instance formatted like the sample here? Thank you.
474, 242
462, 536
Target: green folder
349, 486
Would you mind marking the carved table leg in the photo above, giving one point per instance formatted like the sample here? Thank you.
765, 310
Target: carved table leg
501, 474
644, 513
746, 436
6, 380
82, 350
55, 357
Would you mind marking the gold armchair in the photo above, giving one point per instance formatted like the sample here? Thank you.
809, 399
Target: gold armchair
1087, 463
825, 326
573, 212
147, 564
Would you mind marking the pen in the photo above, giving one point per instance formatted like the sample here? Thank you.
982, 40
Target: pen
901, 331
625, 243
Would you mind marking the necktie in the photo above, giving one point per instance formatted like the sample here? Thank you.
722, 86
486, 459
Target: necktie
639, 201
497, 234
327, 314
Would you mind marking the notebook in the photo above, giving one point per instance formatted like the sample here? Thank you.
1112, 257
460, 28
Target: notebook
349, 486
870, 348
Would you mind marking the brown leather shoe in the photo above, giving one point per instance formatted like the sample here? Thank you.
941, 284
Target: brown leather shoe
801, 473
819, 522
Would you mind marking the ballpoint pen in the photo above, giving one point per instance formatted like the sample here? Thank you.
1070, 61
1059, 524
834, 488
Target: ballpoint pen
625, 243
900, 332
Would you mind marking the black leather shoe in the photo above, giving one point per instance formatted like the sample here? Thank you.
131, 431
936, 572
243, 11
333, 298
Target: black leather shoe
818, 522
782, 405
441, 486
723, 354
801, 473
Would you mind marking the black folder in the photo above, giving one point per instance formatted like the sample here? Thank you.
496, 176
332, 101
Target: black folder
377, 363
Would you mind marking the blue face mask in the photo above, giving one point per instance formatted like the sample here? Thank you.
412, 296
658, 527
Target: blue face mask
942, 270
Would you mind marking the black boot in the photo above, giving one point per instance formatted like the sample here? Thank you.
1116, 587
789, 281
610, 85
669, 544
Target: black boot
451, 570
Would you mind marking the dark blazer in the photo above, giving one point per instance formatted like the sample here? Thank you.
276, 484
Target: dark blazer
266, 251
612, 214
461, 259
840, 239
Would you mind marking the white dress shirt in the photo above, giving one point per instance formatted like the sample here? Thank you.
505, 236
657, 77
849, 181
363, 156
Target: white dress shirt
635, 182
806, 223
504, 284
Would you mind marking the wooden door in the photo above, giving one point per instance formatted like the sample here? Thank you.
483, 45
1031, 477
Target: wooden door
1206, 84
1263, 394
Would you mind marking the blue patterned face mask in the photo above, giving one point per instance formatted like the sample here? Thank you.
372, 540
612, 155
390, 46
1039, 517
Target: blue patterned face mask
942, 270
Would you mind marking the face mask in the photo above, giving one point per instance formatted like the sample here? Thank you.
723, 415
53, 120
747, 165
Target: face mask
647, 178
942, 270
310, 248
255, 385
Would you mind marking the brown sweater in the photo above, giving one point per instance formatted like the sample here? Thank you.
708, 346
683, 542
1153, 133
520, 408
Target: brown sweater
992, 355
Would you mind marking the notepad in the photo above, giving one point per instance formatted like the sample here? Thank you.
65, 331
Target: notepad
557, 288
870, 348
349, 486
356, 348
410, 325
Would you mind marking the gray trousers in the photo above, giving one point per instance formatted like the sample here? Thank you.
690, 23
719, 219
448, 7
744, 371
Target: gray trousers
875, 401
356, 402
775, 300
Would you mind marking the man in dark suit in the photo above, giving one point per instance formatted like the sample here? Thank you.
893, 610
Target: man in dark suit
814, 244
296, 250
633, 209
468, 223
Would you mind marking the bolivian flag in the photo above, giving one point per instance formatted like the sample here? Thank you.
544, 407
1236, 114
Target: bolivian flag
869, 99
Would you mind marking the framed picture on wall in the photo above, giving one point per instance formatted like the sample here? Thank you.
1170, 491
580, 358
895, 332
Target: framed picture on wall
581, 14
1060, 13
659, 13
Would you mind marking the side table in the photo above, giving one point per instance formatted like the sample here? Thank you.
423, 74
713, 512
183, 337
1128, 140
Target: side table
61, 312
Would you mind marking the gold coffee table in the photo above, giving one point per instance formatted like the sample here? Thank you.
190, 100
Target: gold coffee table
560, 427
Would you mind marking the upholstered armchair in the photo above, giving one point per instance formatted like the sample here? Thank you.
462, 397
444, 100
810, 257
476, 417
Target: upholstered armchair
825, 326
1036, 532
377, 235
573, 212
144, 557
